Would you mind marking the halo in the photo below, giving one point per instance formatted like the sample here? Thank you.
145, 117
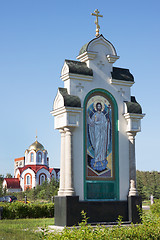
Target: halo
95, 99
98, 101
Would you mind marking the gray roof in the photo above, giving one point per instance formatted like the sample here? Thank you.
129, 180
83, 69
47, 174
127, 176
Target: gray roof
122, 74
85, 46
133, 106
79, 67
69, 100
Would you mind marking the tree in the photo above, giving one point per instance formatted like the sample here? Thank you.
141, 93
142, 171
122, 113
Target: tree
148, 183
140, 184
1, 181
44, 191
8, 175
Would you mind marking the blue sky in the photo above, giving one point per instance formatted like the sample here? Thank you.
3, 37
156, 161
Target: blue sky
38, 35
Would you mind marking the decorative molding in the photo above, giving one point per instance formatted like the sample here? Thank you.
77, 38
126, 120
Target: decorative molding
133, 122
112, 58
79, 77
87, 56
66, 117
133, 116
61, 110
120, 82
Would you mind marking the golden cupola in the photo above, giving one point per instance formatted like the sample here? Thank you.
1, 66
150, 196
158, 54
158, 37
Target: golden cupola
36, 146
36, 154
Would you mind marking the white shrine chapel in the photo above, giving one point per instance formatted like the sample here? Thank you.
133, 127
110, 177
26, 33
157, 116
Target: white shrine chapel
98, 120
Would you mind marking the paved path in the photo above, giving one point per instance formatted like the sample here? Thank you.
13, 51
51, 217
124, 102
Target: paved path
146, 207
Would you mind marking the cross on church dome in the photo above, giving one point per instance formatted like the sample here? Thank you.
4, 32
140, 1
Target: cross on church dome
96, 22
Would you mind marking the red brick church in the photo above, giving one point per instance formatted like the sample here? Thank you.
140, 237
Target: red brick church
31, 170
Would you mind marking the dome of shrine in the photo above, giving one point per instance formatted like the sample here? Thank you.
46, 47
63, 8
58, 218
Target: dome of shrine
87, 47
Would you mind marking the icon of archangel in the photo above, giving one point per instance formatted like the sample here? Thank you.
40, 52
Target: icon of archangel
99, 135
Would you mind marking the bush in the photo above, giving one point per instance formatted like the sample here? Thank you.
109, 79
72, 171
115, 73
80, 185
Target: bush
32, 210
155, 208
149, 229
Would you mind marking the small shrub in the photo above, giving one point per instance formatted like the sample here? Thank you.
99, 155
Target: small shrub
155, 208
31, 210
149, 229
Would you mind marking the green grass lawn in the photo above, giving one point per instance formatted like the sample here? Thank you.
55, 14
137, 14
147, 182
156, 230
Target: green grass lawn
26, 229
23, 229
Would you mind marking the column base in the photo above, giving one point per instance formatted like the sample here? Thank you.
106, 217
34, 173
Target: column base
61, 192
133, 192
69, 192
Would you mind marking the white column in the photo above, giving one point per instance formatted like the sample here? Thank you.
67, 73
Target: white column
132, 164
69, 189
62, 164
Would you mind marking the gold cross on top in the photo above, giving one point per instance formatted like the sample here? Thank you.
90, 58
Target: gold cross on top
36, 135
96, 22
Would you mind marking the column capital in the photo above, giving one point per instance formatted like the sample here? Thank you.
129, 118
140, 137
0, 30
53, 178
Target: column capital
68, 129
131, 135
62, 132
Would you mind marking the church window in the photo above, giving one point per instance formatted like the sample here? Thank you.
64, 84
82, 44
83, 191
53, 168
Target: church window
31, 157
28, 180
44, 157
39, 157
42, 179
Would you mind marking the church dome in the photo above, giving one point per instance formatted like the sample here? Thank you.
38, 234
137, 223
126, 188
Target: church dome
36, 146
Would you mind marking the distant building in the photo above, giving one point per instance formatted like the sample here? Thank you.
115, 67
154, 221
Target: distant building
31, 170
12, 185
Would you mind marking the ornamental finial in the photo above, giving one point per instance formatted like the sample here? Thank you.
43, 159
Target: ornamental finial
96, 22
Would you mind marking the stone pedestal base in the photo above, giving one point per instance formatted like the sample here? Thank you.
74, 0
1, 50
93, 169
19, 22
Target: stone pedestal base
68, 210
133, 211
